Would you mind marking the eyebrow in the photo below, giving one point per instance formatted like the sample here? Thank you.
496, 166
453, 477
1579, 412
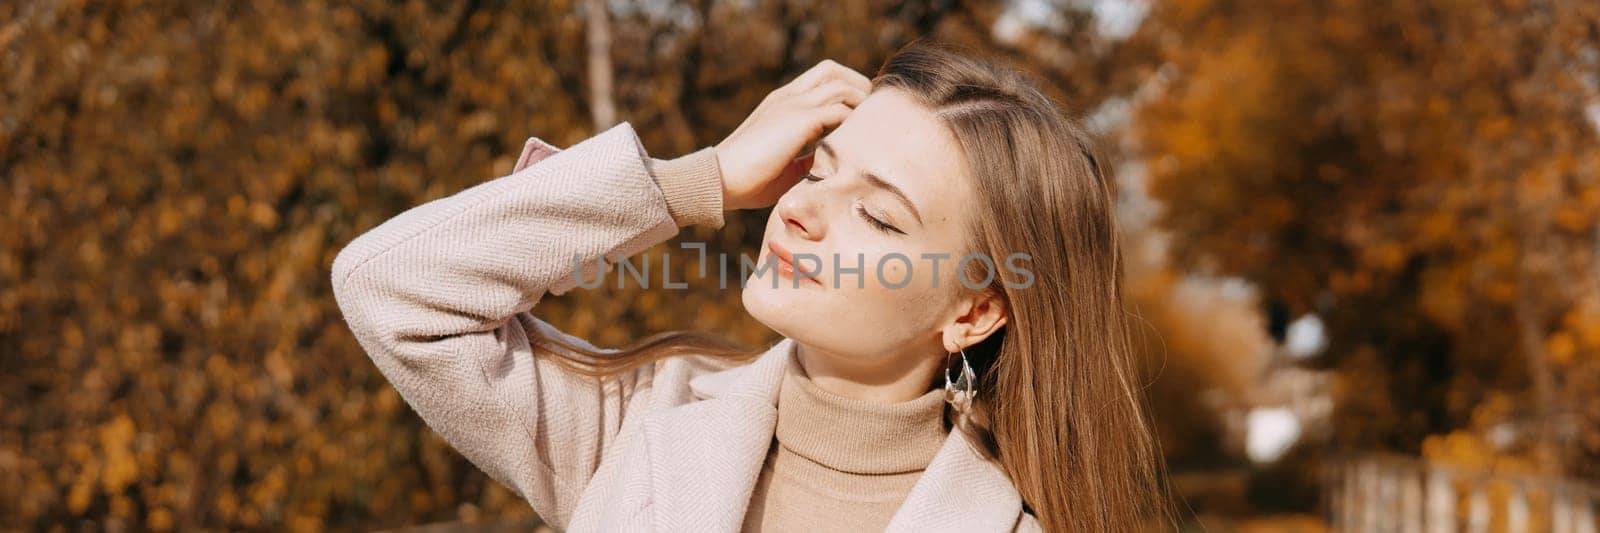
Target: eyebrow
875, 181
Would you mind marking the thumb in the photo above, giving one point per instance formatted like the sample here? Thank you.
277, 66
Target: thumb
796, 169
769, 192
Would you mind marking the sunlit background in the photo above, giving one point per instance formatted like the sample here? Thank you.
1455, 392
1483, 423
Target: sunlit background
1362, 237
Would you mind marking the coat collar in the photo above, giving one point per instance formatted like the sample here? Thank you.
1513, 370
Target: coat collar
757, 381
705, 457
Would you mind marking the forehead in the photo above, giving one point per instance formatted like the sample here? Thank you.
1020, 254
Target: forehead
892, 136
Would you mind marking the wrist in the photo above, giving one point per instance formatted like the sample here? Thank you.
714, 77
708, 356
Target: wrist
692, 185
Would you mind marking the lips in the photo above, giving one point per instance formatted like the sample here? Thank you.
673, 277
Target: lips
786, 267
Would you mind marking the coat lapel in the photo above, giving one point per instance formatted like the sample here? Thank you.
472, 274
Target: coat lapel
705, 455
960, 491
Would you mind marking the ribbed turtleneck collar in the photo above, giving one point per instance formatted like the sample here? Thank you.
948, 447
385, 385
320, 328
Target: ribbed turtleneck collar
858, 436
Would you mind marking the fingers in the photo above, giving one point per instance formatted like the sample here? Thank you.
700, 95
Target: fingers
855, 78
829, 70
835, 91
797, 168
808, 79
832, 71
831, 115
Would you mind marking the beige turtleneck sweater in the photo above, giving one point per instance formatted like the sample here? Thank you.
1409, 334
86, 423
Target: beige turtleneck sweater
842, 464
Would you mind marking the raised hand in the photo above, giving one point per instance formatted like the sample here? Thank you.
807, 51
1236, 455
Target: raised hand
760, 159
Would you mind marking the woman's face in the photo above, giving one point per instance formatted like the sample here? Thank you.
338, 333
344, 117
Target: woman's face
874, 293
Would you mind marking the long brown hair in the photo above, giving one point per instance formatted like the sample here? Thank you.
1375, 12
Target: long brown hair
1058, 404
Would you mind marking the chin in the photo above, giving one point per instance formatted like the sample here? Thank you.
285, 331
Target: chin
782, 309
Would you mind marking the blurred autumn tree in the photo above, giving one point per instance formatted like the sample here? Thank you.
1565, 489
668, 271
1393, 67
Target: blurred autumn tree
1425, 176
177, 178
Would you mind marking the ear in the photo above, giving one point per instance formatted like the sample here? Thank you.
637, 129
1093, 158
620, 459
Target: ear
979, 317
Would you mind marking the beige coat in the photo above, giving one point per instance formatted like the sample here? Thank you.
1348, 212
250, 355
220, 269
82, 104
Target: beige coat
440, 296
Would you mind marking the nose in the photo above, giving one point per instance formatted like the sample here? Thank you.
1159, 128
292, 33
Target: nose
801, 216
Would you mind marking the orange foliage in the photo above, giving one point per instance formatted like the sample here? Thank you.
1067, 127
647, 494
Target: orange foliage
177, 178
1425, 176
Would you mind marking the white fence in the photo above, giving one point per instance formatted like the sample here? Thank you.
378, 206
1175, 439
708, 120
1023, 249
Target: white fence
1406, 495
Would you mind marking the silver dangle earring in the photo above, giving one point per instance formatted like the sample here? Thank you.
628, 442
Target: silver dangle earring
959, 391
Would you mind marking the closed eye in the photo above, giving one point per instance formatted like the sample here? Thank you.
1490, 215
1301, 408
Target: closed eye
881, 225
876, 223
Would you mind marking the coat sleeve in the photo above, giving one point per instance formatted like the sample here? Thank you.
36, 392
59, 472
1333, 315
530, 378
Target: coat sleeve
439, 297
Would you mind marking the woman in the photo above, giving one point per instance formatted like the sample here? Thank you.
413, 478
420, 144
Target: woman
905, 395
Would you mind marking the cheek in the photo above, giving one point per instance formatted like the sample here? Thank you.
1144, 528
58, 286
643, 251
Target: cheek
902, 285
909, 273
895, 271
